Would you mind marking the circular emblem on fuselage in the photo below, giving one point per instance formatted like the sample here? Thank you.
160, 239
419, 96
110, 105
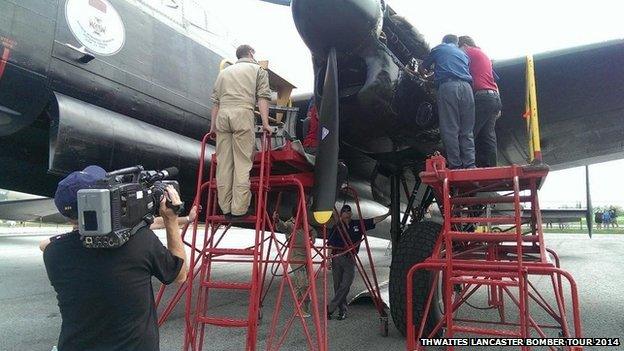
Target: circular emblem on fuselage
96, 25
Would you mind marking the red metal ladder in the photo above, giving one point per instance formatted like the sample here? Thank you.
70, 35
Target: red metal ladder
273, 171
211, 252
500, 262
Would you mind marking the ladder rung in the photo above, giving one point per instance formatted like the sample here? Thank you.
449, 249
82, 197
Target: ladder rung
483, 200
495, 220
473, 330
465, 280
227, 285
224, 322
481, 272
254, 183
222, 251
494, 237
222, 219
530, 238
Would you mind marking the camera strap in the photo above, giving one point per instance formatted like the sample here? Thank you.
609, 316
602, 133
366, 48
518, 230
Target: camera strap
142, 224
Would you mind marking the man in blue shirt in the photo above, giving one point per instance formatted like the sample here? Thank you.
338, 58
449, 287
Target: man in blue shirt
455, 100
343, 262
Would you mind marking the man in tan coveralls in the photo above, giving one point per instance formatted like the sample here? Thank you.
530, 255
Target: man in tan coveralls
236, 91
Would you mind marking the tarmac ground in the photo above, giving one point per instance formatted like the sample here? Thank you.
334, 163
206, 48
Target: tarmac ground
30, 318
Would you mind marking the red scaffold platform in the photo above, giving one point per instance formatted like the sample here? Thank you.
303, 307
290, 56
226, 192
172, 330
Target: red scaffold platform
265, 177
275, 174
504, 264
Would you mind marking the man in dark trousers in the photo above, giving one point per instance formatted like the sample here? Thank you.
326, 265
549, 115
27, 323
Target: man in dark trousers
487, 102
105, 296
455, 101
343, 262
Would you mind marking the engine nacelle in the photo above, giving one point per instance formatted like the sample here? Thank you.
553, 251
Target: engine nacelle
344, 24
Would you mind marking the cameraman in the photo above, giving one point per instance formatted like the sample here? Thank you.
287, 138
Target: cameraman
105, 296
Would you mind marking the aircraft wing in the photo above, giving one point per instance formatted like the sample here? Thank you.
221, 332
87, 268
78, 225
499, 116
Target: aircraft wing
31, 210
580, 98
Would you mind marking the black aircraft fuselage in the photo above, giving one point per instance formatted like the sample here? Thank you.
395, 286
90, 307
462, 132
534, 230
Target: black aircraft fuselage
115, 83
125, 82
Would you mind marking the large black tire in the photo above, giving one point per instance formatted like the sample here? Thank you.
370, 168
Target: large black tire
416, 244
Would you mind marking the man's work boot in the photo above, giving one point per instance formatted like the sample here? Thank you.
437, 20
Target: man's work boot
238, 218
342, 315
305, 313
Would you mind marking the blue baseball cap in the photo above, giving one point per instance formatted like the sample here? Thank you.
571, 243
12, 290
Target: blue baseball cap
66, 196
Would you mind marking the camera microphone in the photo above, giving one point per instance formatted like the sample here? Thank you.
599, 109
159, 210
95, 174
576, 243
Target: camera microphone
125, 171
166, 173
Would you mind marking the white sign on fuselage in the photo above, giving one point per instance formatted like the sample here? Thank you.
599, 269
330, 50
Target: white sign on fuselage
96, 25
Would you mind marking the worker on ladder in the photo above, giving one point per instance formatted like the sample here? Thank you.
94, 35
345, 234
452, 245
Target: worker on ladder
487, 102
236, 91
343, 263
455, 100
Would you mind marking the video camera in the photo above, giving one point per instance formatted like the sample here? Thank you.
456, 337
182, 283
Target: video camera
126, 200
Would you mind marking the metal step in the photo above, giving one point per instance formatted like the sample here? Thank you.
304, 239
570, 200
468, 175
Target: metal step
492, 237
222, 219
497, 332
222, 251
483, 200
481, 281
223, 322
493, 220
227, 285
254, 183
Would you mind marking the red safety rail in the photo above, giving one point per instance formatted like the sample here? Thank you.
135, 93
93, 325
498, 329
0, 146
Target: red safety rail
181, 290
274, 171
465, 261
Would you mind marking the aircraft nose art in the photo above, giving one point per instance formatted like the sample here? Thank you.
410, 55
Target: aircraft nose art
96, 25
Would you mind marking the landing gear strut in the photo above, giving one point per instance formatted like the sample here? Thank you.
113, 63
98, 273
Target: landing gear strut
411, 243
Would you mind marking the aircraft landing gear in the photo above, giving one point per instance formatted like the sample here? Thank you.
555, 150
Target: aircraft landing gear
416, 245
411, 244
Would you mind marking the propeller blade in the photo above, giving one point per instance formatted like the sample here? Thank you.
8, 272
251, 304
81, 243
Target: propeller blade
326, 165
278, 2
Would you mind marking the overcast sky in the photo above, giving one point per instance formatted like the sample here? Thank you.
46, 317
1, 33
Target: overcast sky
504, 29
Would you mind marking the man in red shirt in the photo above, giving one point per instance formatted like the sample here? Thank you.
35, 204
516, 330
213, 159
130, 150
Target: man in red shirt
487, 102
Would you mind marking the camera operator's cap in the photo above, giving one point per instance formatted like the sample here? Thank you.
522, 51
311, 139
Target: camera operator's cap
66, 196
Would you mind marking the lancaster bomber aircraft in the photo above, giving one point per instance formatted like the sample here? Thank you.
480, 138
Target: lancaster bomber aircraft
125, 82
